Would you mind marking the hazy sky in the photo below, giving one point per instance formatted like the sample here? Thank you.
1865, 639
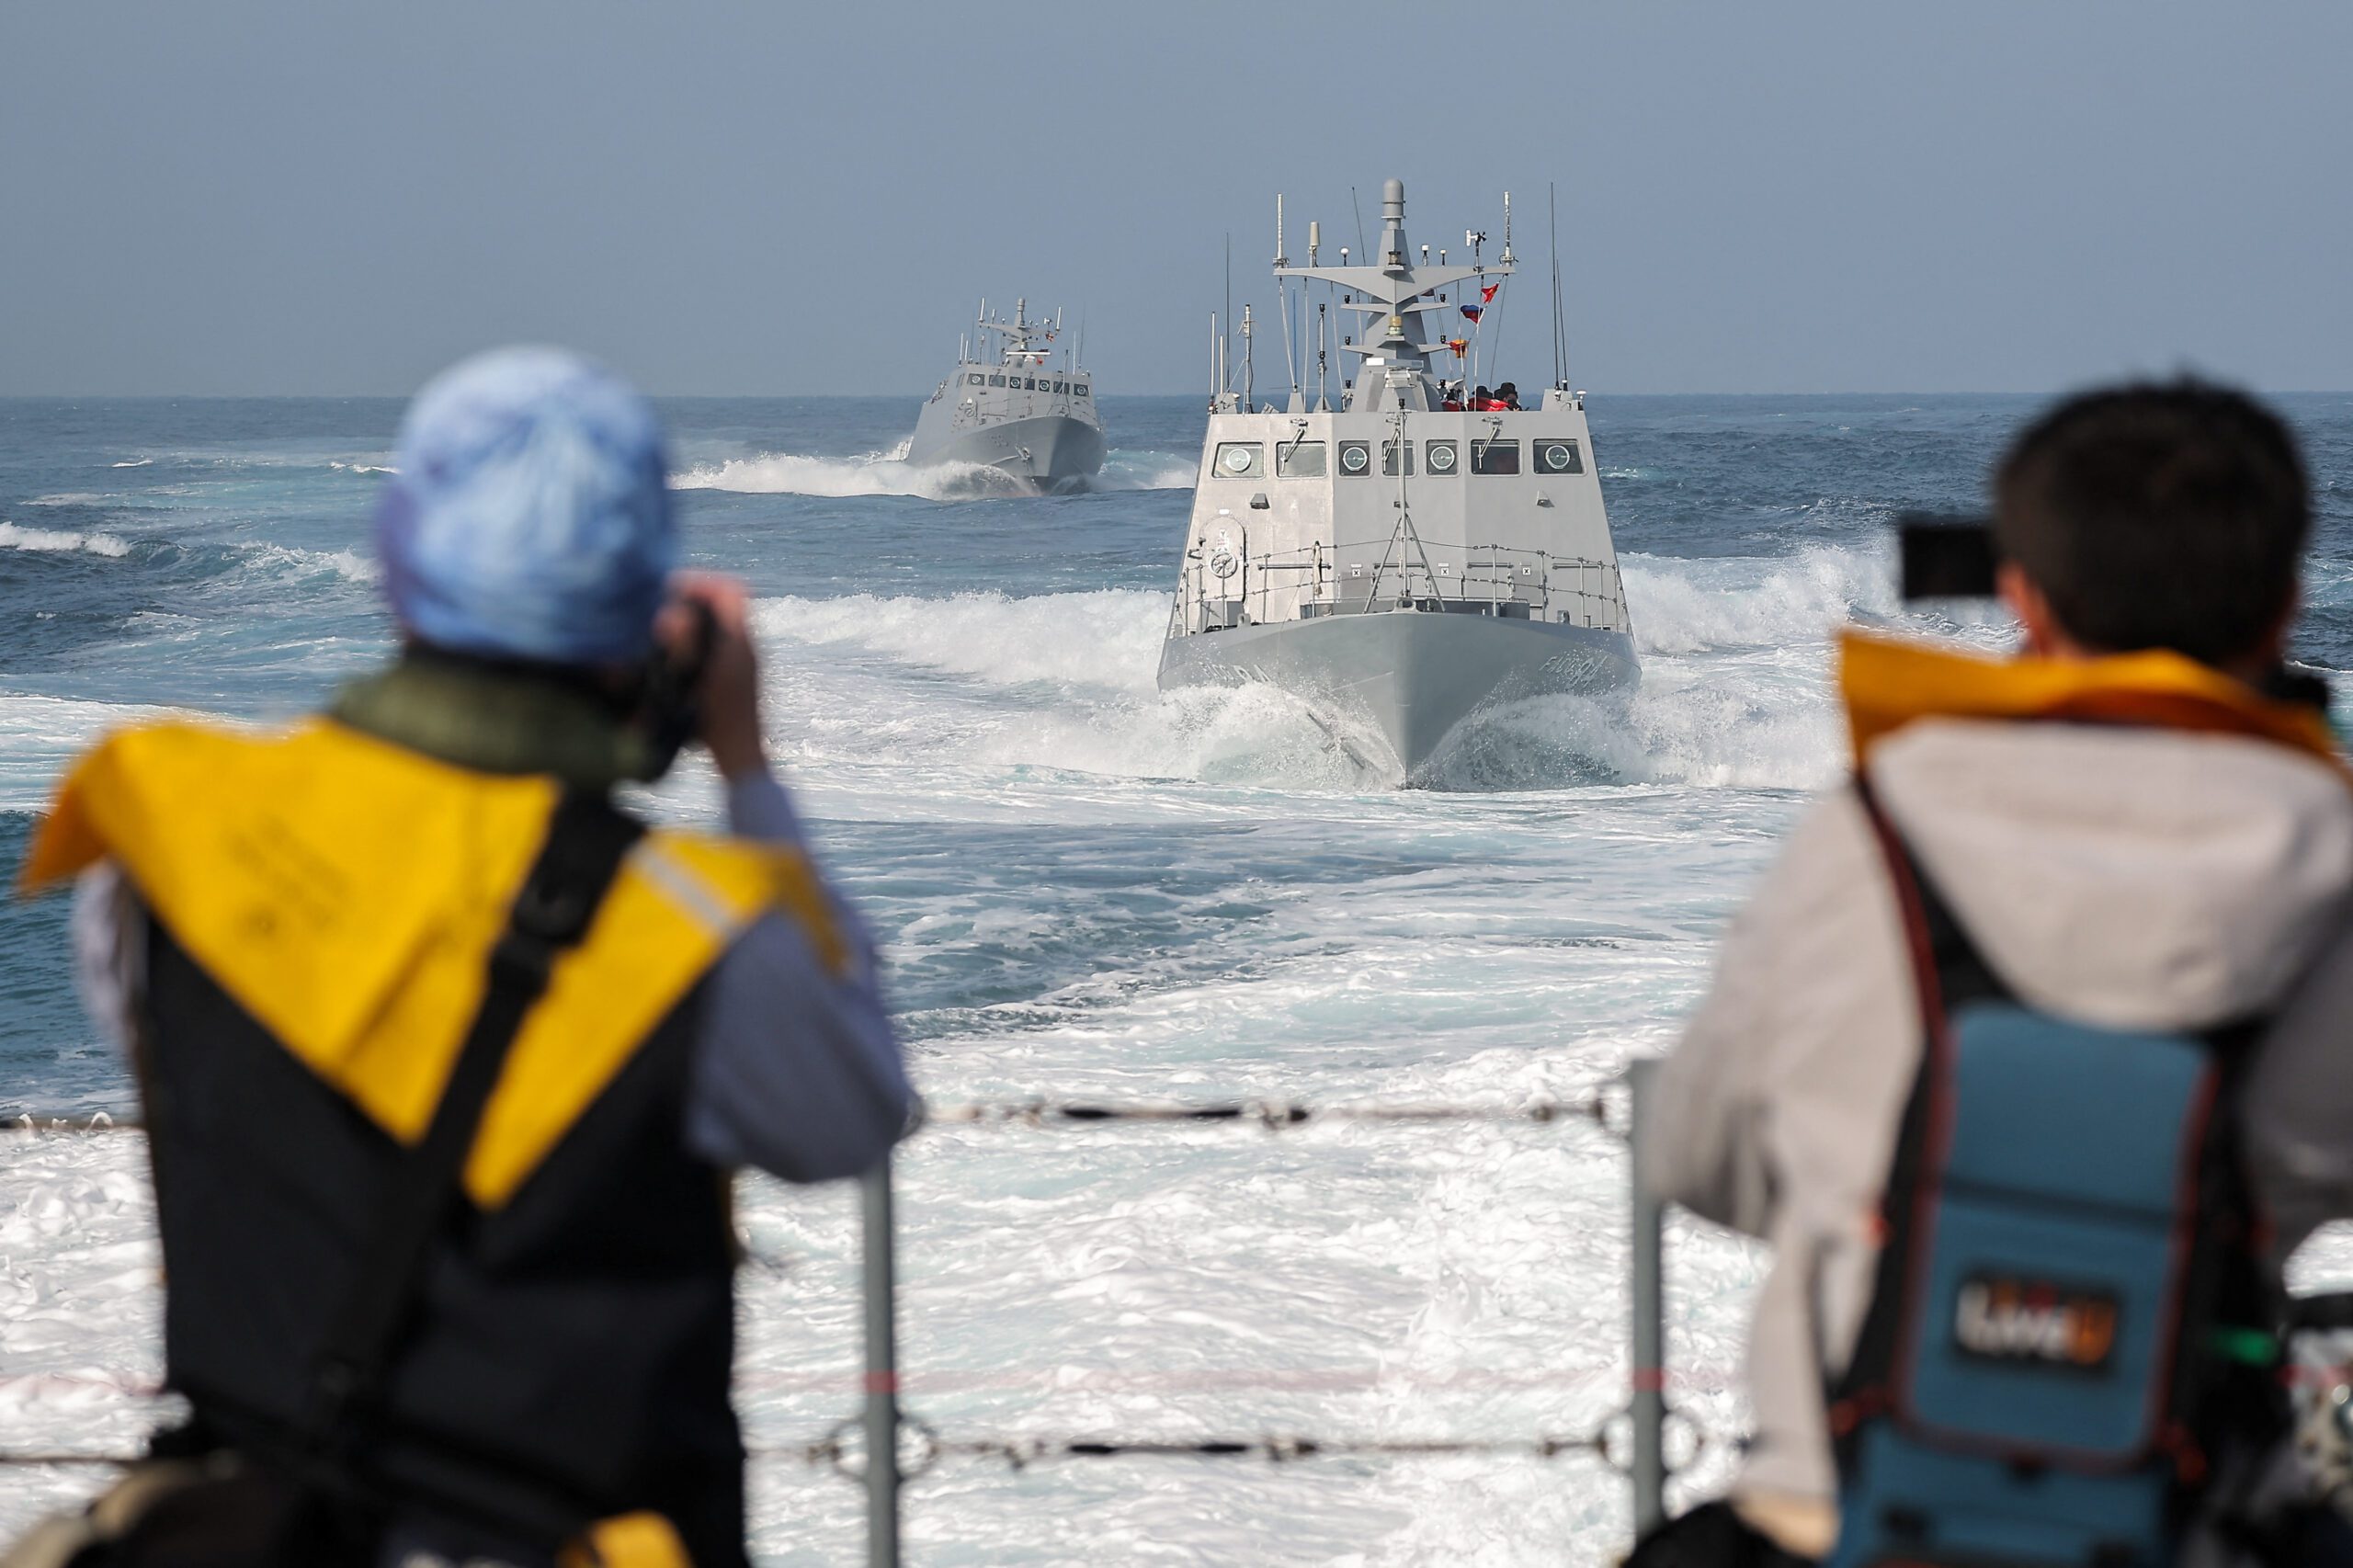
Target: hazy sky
233, 197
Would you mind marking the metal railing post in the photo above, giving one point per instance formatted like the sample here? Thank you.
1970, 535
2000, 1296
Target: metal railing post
1648, 1470
881, 1372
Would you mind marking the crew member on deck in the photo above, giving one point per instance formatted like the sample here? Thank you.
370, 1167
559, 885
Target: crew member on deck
315, 940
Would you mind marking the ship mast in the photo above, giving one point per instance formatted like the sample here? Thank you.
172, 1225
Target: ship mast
1020, 333
1394, 294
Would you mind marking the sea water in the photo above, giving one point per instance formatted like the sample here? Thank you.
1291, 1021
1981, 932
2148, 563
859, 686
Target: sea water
1084, 889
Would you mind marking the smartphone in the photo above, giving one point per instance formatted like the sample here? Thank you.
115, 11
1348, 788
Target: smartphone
1945, 556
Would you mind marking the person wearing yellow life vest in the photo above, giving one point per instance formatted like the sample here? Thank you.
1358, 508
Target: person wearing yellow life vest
317, 941
2136, 833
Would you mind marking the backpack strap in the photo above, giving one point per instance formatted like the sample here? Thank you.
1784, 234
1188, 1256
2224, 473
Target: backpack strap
1949, 971
2220, 1283
586, 841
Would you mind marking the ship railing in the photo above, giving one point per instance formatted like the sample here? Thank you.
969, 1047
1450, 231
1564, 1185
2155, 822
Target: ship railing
885, 1445
1229, 588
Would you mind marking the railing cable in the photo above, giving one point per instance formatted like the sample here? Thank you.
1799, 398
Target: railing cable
1274, 1114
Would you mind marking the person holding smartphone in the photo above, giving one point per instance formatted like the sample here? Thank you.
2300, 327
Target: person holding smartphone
2024, 1308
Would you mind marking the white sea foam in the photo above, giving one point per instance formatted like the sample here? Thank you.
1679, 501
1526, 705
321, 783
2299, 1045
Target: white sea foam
1145, 471
1107, 637
351, 565
135, 462
14, 537
872, 474
1687, 607
39, 734
888, 474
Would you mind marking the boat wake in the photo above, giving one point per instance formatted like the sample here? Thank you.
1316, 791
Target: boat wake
1734, 694
870, 474
888, 474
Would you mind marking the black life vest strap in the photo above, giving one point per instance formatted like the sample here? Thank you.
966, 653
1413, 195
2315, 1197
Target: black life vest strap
586, 841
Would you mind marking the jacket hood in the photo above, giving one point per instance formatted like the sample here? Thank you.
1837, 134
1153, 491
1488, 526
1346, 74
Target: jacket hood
2131, 877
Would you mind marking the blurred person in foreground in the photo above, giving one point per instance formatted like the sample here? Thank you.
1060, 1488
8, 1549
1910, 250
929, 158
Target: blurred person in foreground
525, 1354
2132, 844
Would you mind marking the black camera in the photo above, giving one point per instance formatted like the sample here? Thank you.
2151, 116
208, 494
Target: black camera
1945, 555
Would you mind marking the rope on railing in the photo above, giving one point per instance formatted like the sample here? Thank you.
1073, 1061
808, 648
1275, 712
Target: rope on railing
1275, 1115
839, 1450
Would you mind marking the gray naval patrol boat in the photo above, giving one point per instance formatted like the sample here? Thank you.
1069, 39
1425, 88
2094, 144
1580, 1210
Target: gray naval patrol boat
1405, 556
1018, 413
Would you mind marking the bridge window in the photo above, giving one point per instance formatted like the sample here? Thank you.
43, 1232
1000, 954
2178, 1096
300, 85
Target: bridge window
1440, 455
1078, 389
1494, 457
1558, 457
1355, 458
973, 379
1061, 386
996, 381
1299, 460
1241, 459
1389, 458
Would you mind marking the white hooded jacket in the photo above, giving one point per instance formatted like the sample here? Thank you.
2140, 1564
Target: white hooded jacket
2128, 877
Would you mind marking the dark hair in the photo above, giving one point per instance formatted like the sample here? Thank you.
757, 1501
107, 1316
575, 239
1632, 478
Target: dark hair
2159, 514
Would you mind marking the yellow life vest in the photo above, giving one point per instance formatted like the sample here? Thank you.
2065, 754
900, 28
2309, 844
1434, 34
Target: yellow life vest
346, 892
1889, 683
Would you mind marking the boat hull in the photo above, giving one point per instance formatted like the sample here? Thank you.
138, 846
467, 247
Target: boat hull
1415, 674
1049, 451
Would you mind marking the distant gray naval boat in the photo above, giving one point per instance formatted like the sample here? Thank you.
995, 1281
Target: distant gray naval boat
1406, 556
1018, 413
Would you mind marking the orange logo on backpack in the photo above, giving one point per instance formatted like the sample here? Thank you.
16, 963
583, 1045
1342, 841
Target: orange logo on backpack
2004, 1318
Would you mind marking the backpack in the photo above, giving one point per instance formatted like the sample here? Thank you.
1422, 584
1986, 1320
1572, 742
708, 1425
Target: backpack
2069, 1329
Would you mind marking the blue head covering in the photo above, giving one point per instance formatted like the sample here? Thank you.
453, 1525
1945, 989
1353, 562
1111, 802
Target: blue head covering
529, 518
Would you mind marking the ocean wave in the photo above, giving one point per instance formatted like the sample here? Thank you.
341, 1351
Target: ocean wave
135, 462
351, 565
1107, 637
1693, 606
1145, 471
12, 536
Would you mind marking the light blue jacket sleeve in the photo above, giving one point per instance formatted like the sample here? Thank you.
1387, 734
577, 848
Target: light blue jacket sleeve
796, 1069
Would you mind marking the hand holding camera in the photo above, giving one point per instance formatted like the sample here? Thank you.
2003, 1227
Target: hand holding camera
704, 637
